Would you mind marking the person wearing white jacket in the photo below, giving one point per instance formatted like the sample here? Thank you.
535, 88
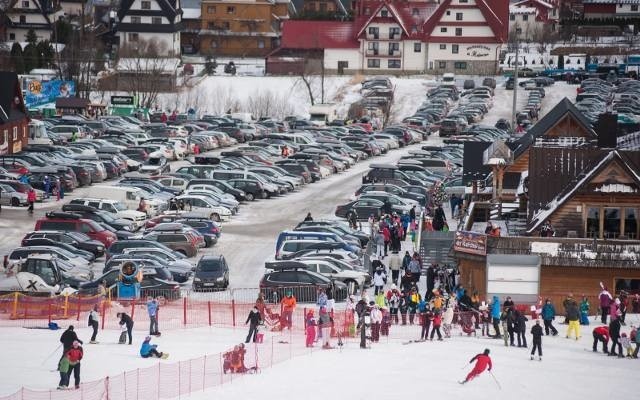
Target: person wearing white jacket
447, 319
379, 279
93, 323
376, 320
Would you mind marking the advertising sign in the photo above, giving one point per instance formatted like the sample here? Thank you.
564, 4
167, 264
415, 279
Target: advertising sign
39, 92
470, 242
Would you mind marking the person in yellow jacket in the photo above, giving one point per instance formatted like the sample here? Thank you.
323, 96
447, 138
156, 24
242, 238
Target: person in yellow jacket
414, 300
437, 301
288, 304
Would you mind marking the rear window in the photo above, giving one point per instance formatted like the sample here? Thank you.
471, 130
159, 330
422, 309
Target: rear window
210, 265
57, 226
291, 246
95, 226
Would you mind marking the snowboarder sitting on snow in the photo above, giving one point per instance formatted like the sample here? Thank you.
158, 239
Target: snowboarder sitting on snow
601, 334
149, 350
482, 362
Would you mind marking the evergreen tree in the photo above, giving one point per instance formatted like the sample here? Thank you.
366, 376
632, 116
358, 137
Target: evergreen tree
45, 54
17, 59
32, 38
31, 57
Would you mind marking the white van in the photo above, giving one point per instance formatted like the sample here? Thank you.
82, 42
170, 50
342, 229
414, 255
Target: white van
321, 114
448, 78
129, 196
38, 133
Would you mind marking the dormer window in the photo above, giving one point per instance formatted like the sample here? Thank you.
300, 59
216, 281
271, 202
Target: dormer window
136, 20
384, 12
145, 5
25, 4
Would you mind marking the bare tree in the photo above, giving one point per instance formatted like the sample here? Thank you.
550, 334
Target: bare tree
312, 76
268, 104
144, 73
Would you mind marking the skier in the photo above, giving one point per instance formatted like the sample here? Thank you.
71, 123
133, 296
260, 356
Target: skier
63, 368
614, 334
601, 334
573, 316
75, 355
403, 307
482, 362
536, 331
584, 311
255, 319
437, 321
548, 315
152, 310
288, 306
605, 302
310, 330
150, 350
379, 279
426, 316
126, 321
93, 323
495, 315
521, 328
376, 320
67, 338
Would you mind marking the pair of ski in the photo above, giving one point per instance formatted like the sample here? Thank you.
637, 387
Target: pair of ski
414, 341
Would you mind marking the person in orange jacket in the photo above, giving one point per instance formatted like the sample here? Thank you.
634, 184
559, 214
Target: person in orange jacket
288, 306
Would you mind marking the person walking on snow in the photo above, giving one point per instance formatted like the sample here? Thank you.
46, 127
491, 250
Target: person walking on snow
601, 334
379, 279
325, 321
394, 265
495, 315
521, 328
614, 334
548, 315
75, 356
536, 332
152, 310
605, 301
437, 321
93, 323
67, 338
254, 318
378, 239
31, 199
376, 320
483, 361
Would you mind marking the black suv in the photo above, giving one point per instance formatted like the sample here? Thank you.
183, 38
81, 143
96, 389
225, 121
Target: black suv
212, 272
284, 276
76, 239
104, 217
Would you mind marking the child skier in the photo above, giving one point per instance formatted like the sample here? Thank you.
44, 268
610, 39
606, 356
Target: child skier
536, 331
482, 362
601, 334
437, 321
150, 350
485, 318
310, 329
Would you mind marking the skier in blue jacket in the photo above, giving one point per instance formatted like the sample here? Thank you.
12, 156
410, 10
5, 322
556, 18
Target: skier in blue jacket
149, 350
495, 315
548, 315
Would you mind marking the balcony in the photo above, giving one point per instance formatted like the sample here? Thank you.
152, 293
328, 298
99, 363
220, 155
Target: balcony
383, 53
396, 37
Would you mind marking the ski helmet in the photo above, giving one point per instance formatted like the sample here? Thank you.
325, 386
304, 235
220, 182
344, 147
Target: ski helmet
486, 352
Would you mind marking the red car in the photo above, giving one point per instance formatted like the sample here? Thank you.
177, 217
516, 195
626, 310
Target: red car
69, 222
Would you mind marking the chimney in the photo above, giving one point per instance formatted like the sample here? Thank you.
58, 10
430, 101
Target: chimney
607, 130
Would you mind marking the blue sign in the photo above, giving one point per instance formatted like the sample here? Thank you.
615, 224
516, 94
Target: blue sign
39, 92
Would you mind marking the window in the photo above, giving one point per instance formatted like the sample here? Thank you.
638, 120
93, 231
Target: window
611, 223
460, 65
231, 10
463, 1
15, 133
135, 20
442, 64
211, 9
458, 16
631, 223
25, 4
443, 47
146, 5
415, 12
394, 48
512, 17
525, 17
454, 49
261, 43
23, 19
373, 63
458, 31
393, 32
519, 31
394, 63
414, 28
417, 47
384, 12
12, 36
374, 31
448, 12
156, 20
578, 61
133, 37
634, 7
443, 30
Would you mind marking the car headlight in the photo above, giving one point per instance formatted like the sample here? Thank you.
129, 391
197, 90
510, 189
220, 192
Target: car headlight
220, 279
197, 279
100, 248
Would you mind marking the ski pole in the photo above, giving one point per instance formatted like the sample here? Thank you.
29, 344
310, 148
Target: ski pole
494, 378
466, 365
52, 353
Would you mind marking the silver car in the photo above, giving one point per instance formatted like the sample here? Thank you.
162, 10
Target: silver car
10, 197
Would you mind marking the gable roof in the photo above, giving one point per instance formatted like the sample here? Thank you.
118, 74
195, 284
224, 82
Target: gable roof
408, 14
564, 107
499, 25
533, 3
309, 35
168, 8
613, 156
393, 13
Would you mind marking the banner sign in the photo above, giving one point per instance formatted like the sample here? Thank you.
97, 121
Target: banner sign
39, 92
470, 242
122, 100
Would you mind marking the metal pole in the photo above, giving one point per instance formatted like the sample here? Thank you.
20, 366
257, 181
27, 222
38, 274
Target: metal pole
515, 86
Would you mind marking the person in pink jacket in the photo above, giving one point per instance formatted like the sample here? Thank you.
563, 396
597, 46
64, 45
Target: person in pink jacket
613, 309
605, 302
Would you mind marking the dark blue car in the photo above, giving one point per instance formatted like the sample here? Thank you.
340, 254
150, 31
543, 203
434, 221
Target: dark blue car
207, 228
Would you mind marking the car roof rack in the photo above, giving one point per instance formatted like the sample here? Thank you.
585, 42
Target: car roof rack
63, 215
282, 265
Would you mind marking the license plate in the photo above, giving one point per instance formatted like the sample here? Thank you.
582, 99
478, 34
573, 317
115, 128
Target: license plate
209, 284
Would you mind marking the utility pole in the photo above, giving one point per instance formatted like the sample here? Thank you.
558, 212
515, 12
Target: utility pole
515, 85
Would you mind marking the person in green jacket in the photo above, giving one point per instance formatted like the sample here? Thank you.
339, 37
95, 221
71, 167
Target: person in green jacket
63, 368
584, 311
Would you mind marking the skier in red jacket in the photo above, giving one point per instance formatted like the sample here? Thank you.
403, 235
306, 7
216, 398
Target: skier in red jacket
601, 334
482, 361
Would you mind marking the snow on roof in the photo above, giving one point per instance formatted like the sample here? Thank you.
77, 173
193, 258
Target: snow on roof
616, 188
522, 10
542, 3
524, 175
191, 13
550, 248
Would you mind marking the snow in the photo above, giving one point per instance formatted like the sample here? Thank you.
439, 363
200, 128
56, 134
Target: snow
616, 188
545, 248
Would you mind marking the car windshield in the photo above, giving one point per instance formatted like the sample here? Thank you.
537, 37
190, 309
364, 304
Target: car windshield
119, 207
210, 266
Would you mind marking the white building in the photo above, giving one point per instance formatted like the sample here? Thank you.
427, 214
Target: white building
151, 21
38, 15
398, 36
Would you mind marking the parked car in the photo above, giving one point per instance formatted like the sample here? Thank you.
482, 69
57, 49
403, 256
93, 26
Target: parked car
61, 221
76, 239
295, 277
212, 272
